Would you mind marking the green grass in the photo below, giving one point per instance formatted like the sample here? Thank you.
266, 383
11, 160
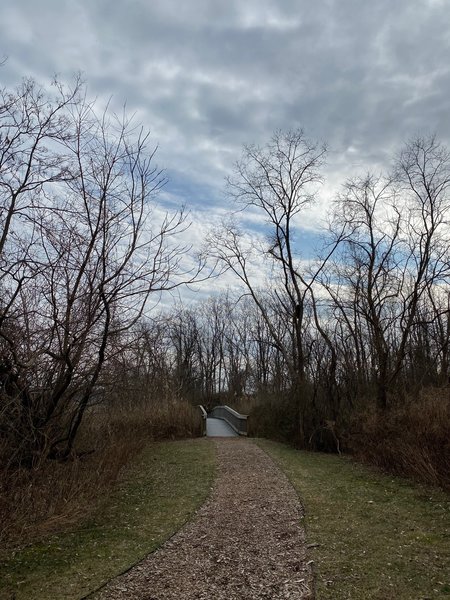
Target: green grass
372, 536
167, 483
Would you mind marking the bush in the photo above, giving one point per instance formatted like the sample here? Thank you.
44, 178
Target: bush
412, 440
291, 418
54, 494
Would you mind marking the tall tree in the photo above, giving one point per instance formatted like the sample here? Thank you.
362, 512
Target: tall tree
82, 248
279, 181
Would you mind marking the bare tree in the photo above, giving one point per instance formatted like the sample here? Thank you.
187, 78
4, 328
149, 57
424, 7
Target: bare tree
82, 248
280, 181
395, 252
370, 268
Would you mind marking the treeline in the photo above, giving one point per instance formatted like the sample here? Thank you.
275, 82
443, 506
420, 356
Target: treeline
223, 350
344, 349
361, 330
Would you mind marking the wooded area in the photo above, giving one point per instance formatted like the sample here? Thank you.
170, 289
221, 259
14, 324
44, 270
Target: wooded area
344, 351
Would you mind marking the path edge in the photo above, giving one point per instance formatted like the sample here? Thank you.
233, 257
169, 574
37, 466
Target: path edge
310, 563
102, 586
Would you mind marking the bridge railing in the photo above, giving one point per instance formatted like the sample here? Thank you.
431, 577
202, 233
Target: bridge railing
236, 421
204, 415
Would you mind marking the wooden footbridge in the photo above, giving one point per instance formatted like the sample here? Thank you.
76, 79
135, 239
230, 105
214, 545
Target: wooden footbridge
223, 421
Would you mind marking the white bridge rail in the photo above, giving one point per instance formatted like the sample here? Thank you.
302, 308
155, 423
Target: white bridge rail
204, 417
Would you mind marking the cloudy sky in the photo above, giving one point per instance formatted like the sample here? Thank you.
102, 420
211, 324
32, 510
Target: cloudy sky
206, 76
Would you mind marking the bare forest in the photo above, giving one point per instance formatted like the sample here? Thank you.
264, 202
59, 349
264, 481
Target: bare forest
345, 351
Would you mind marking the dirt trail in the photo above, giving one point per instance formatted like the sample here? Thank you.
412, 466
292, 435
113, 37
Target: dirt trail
246, 541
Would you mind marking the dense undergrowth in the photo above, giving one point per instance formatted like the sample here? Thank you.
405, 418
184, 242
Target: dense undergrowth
54, 495
412, 439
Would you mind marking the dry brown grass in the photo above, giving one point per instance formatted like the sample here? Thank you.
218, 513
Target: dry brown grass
52, 496
45, 499
412, 440
171, 419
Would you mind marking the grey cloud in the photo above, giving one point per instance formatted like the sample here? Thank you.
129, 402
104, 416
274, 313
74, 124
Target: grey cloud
207, 75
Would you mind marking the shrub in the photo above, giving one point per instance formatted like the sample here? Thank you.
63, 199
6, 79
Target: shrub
54, 494
412, 440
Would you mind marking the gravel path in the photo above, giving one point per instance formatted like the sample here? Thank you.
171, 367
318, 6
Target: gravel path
245, 542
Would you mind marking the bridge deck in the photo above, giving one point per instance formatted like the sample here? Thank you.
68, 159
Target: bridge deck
219, 428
